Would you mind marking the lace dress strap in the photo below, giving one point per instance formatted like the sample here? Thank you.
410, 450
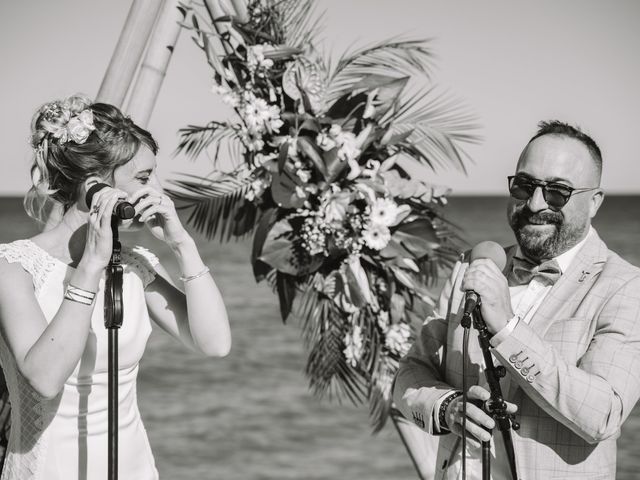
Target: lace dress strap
31, 257
141, 261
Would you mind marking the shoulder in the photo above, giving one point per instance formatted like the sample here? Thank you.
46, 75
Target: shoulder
618, 272
140, 261
23, 258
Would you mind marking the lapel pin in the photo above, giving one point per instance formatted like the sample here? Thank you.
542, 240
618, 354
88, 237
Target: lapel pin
583, 276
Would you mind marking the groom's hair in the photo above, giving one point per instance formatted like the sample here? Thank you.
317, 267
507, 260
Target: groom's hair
556, 127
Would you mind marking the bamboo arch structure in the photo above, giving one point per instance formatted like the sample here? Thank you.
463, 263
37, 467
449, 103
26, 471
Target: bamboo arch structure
132, 82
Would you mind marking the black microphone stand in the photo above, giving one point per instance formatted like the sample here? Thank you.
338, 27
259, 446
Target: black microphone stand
496, 406
113, 321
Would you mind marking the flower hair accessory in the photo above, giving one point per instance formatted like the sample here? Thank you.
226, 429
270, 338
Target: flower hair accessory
64, 126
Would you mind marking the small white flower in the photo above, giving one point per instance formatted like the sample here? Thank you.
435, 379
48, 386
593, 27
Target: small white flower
353, 346
376, 236
252, 140
383, 320
304, 175
259, 115
255, 58
384, 212
348, 146
257, 188
397, 338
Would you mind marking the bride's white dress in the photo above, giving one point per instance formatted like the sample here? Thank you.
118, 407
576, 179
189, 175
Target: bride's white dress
65, 438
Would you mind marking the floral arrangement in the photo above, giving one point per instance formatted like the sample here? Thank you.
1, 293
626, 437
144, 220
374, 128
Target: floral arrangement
349, 240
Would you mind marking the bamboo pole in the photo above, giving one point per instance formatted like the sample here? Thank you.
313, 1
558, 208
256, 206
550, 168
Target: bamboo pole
156, 61
241, 10
128, 51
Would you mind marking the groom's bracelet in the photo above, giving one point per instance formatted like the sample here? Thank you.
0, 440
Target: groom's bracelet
443, 409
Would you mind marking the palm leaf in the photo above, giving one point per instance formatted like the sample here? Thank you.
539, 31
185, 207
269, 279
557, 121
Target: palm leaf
436, 125
328, 371
402, 57
379, 400
218, 206
323, 329
195, 139
301, 22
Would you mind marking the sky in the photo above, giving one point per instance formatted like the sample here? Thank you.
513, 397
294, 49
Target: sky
513, 63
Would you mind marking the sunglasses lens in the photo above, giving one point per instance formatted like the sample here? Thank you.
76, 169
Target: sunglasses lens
556, 198
520, 189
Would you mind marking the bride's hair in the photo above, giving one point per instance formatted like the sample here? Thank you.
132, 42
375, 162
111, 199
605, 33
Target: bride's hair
74, 139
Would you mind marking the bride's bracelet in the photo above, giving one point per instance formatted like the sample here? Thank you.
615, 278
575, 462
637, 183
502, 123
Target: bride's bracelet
79, 295
193, 277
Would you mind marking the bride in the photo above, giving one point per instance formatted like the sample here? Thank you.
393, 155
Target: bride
53, 343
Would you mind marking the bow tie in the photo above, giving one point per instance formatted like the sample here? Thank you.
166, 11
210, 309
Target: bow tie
524, 271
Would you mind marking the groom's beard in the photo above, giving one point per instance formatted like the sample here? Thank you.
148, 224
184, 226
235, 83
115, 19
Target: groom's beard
537, 243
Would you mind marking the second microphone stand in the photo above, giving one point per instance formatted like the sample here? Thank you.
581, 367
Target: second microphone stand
496, 406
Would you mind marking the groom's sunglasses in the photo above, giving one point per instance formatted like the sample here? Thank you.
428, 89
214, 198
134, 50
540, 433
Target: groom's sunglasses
556, 195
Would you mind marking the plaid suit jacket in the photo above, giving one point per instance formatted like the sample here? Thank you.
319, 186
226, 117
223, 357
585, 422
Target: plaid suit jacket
574, 369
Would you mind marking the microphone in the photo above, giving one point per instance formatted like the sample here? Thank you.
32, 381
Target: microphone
492, 251
123, 210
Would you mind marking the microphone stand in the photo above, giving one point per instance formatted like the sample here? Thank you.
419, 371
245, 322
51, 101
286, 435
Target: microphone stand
113, 321
496, 406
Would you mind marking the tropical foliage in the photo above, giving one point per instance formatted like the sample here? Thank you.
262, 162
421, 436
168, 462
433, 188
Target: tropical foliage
349, 240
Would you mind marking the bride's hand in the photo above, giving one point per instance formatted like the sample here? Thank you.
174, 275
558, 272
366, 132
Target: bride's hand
157, 211
99, 241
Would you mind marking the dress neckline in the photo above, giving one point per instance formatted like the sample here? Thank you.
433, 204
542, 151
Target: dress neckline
55, 259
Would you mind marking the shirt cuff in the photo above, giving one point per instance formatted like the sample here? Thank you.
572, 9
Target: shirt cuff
500, 336
436, 411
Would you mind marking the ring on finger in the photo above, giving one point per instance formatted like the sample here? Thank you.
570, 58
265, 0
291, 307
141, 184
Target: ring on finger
95, 210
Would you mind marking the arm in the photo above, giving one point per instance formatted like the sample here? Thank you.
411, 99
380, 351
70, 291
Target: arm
197, 317
594, 397
420, 382
47, 353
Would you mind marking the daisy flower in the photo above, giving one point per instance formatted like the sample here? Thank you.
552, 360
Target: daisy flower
383, 212
376, 236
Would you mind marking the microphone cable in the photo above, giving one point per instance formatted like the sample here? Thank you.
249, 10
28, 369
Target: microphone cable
465, 357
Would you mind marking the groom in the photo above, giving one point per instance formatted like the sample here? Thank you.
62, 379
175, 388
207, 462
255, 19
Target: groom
565, 319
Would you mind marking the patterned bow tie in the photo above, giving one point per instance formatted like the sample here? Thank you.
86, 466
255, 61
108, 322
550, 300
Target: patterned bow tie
524, 271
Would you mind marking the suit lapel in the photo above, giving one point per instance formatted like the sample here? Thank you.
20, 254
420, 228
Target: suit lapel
586, 265
572, 286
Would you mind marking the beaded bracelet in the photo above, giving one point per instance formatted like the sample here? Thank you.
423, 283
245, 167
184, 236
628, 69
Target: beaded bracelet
79, 295
193, 277
443, 409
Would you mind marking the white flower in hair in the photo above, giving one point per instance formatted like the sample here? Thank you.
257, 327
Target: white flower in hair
80, 127
59, 121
